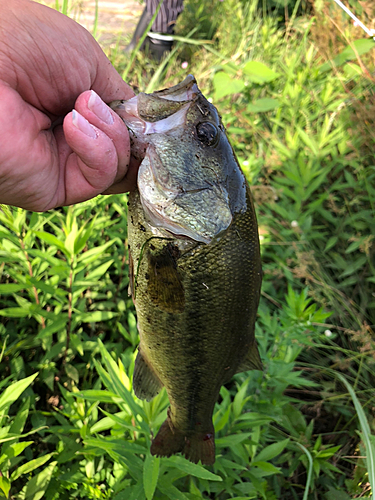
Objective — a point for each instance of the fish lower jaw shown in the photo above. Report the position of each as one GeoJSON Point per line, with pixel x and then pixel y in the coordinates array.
{"type": "Point", "coordinates": [158, 222]}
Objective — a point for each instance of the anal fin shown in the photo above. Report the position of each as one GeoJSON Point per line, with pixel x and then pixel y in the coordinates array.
{"type": "Point", "coordinates": [146, 384]}
{"type": "Point", "coordinates": [252, 360]}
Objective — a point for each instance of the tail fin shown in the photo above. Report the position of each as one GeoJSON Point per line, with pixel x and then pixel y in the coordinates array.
{"type": "Point", "coordinates": [194, 445]}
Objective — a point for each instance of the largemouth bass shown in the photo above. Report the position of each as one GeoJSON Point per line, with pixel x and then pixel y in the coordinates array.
{"type": "Point", "coordinates": [195, 267]}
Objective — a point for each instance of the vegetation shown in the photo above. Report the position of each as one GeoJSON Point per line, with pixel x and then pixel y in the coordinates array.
{"type": "Point", "coordinates": [295, 90]}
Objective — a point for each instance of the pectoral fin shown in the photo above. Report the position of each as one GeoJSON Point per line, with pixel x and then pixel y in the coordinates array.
{"type": "Point", "coordinates": [146, 384]}
{"type": "Point", "coordinates": [252, 360]}
{"type": "Point", "coordinates": [164, 284]}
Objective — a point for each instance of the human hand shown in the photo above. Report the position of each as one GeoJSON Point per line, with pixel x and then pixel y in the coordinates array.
{"type": "Point", "coordinates": [47, 63]}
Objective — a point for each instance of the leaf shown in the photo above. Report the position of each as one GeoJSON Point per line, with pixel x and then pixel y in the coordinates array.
{"type": "Point", "coordinates": [56, 326]}
{"type": "Point", "coordinates": [171, 492]}
{"type": "Point", "coordinates": [37, 485]}
{"type": "Point", "coordinates": [192, 469]}
{"type": "Point", "coordinates": [115, 419]}
{"type": "Point", "coordinates": [14, 449]}
{"type": "Point", "coordinates": [11, 288]}
{"type": "Point", "coordinates": [309, 470]}
{"type": "Point", "coordinates": [97, 273]}
{"type": "Point", "coordinates": [98, 396]}
{"type": "Point", "coordinates": [271, 451]}
{"type": "Point", "coordinates": [150, 475]}
{"type": "Point", "coordinates": [259, 72]}
{"type": "Point", "coordinates": [136, 493]}
{"type": "Point", "coordinates": [337, 494]}
{"type": "Point", "coordinates": [95, 316]}
{"type": "Point", "coordinates": [83, 235]}
{"type": "Point", "coordinates": [14, 391]}
{"type": "Point", "coordinates": [266, 467]}
{"type": "Point", "coordinates": [331, 243]}
{"type": "Point", "coordinates": [72, 372]}
{"type": "Point", "coordinates": [117, 384]}
{"type": "Point", "coordinates": [29, 466]}
{"type": "Point", "coordinates": [93, 252]}
{"type": "Point", "coordinates": [232, 439]}
{"type": "Point", "coordinates": [263, 105]}
{"type": "Point", "coordinates": [12, 436]}
{"type": "Point", "coordinates": [77, 343]}
{"type": "Point", "coordinates": [5, 485]}
{"type": "Point", "coordinates": [51, 240]}
{"type": "Point", "coordinates": [115, 444]}
{"type": "Point", "coordinates": [361, 47]}
{"type": "Point", "coordinates": [225, 85]}
{"type": "Point", "coordinates": [21, 417]}
{"type": "Point", "coordinates": [366, 432]}
{"type": "Point", "coordinates": [15, 312]}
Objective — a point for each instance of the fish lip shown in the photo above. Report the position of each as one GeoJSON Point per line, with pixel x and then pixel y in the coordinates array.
{"type": "Point", "coordinates": [189, 85]}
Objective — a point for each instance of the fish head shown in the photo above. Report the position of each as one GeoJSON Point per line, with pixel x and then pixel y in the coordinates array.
{"type": "Point", "coordinates": [189, 181]}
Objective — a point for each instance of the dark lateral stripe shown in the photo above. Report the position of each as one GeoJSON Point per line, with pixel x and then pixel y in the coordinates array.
{"type": "Point", "coordinates": [167, 16]}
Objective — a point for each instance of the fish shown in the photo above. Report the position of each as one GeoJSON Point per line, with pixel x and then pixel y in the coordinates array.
{"type": "Point", "coordinates": [194, 263]}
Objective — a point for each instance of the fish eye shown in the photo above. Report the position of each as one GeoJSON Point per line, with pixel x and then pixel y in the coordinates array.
{"type": "Point", "coordinates": [207, 133]}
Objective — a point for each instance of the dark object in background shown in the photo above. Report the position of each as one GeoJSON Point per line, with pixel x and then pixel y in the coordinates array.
{"type": "Point", "coordinates": [164, 24]}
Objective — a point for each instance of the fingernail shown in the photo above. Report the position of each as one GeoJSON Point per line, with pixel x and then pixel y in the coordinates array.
{"type": "Point", "coordinates": [83, 125]}
{"type": "Point", "coordinates": [97, 106]}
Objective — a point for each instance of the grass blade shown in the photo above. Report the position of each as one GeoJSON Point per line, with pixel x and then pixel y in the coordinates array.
{"type": "Point", "coordinates": [309, 472]}
{"type": "Point", "coordinates": [366, 433]}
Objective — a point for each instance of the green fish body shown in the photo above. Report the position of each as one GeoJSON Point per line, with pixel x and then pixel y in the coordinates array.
{"type": "Point", "coordinates": [195, 263]}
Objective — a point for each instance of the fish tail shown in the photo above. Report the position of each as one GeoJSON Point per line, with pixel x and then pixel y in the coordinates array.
{"type": "Point", "coordinates": [168, 441]}
{"type": "Point", "coordinates": [200, 446]}
{"type": "Point", "coordinates": [194, 445]}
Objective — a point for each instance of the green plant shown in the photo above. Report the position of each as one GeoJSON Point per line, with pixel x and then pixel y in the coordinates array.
{"type": "Point", "coordinates": [77, 430]}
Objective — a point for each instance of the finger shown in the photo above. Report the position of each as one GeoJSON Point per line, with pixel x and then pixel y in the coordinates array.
{"type": "Point", "coordinates": [129, 183]}
{"type": "Point", "coordinates": [91, 165]}
{"type": "Point", "coordinates": [96, 112]}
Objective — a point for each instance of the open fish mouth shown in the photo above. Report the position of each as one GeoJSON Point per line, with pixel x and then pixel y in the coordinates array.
{"type": "Point", "coordinates": [146, 114]}
{"type": "Point", "coordinates": [179, 188]}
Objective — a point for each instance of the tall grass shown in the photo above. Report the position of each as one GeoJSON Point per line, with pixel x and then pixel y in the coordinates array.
{"type": "Point", "coordinates": [71, 426]}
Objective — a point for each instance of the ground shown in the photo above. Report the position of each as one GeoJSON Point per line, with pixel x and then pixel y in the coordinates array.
{"type": "Point", "coordinates": [116, 18]}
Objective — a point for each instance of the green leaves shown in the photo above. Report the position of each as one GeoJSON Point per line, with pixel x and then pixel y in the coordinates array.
{"type": "Point", "coordinates": [357, 49]}
{"type": "Point", "coordinates": [258, 72]}
{"type": "Point", "coordinates": [30, 466]}
{"type": "Point", "coordinates": [192, 469]}
{"type": "Point", "coordinates": [271, 451]}
{"type": "Point", "coordinates": [367, 435]}
{"type": "Point", "coordinates": [13, 392]}
{"type": "Point", "coordinates": [150, 475]}
{"type": "Point", "coordinates": [37, 486]}
{"type": "Point", "coordinates": [225, 85]}
{"type": "Point", "coordinates": [263, 105]}
{"type": "Point", "coordinates": [5, 485]}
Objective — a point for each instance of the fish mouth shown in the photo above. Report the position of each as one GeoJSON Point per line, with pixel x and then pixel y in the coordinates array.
{"type": "Point", "coordinates": [160, 112]}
